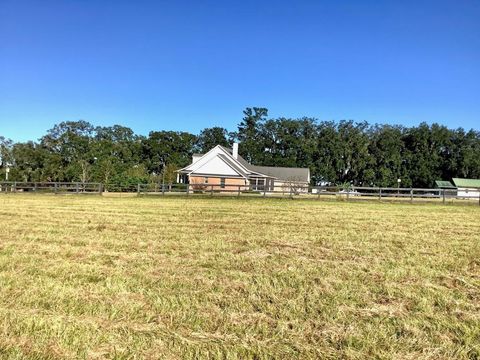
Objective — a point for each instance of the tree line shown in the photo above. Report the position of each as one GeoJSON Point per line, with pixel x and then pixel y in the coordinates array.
{"type": "Point", "coordinates": [336, 152]}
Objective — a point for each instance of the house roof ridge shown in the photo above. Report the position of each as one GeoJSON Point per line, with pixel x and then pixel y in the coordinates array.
{"type": "Point", "coordinates": [281, 167]}
{"type": "Point", "coordinates": [226, 148]}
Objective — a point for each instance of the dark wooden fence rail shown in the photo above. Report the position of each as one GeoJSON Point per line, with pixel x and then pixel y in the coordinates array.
{"type": "Point", "coordinates": [353, 193]}
{"type": "Point", "coordinates": [51, 187]}
{"type": "Point", "coordinates": [312, 192]}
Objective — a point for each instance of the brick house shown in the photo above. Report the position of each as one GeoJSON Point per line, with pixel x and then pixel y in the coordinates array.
{"type": "Point", "coordinates": [226, 169]}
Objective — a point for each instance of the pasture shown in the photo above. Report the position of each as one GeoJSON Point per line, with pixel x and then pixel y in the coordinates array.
{"type": "Point", "coordinates": [224, 278]}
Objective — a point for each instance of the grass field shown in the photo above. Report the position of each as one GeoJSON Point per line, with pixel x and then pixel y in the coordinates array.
{"type": "Point", "coordinates": [174, 278]}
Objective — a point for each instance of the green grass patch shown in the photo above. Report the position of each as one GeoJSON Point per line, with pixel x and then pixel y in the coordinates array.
{"type": "Point", "coordinates": [175, 278]}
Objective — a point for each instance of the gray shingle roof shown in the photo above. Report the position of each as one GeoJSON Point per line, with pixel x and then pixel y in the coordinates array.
{"type": "Point", "coordinates": [281, 173]}
{"type": "Point", "coordinates": [233, 165]}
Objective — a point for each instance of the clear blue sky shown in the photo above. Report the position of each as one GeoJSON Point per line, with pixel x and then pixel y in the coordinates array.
{"type": "Point", "coordinates": [186, 65]}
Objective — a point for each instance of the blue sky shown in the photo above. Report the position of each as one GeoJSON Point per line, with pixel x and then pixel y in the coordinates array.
{"type": "Point", "coordinates": [186, 65]}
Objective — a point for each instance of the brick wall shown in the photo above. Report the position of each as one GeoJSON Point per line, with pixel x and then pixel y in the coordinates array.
{"type": "Point", "coordinates": [230, 183]}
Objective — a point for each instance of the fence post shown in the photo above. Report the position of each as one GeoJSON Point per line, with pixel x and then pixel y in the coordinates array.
{"type": "Point", "coordinates": [238, 191]}
{"type": "Point", "coordinates": [291, 191]}
{"type": "Point", "coordinates": [318, 190]}
{"type": "Point", "coordinates": [14, 186]}
{"type": "Point", "coordinates": [35, 187]}
{"type": "Point", "coordinates": [56, 187]}
{"type": "Point", "coordinates": [411, 195]}
{"type": "Point", "coordinates": [348, 192]}
{"type": "Point", "coordinates": [100, 188]}
{"type": "Point", "coordinates": [264, 189]}
{"type": "Point", "coordinates": [163, 189]}
{"type": "Point", "coordinates": [443, 193]}
{"type": "Point", "coordinates": [211, 191]}
{"type": "Point", "coordinates": [188, 189]}
{"type": "Point", "coordinates": [76, 186]}
{"type": "Point", "coordinates": [379, 194]}
{"type": "Point", "coordinates": [138, 188]}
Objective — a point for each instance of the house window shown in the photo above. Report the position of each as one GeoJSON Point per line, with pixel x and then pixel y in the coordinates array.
{"type": "Point", "coordinates": [260, 184]}
{"type": "Point", "coordinates": [206, 180]}
{"type": "Point", "coordinates": [222, 183]}
{"type": "Point", "coordinates": [270, 185]}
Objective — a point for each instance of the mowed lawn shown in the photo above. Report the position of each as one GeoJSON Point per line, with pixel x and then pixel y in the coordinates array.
{"type": "Point", "coordinates": [175, 278]}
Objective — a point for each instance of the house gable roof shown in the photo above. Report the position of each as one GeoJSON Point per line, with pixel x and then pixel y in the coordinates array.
{"type": "Point", "coordinates": [221, 166]}
{"type": "Point", "coordinates": [284, 173]}
{"type": "Point", "coordinates": [280, 173]}
{"type": "Point", "coordinates": [218, 152]}
{"type": "Point", "coordinates": [204, 158]}
{"type": "Point", "coordinates": [244, 168]}
{"type": "Point", "coordinates": [234, 164]}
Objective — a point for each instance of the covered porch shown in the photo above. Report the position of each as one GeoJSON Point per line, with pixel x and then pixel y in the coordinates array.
{"type": "Point", "coordinates": [261, 183]}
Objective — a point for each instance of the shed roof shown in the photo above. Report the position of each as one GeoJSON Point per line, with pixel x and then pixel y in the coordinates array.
{"type": "Point", "coordinates": [466, 183]}
{"type": "Point", "coordinates": [443, 184]}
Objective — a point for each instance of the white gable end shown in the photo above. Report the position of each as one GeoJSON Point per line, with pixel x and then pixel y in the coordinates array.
{"type": "Point", "coordinates": [215, 166]}
{"type": "Point", "coordinates": [204, 159]}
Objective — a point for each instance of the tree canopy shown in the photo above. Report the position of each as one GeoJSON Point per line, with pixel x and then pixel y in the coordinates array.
{"type": "Point", "coordinates": [335, 152]}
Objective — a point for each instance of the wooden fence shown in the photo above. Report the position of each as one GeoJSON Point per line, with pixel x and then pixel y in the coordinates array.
{"type": "Point", "coordinates": [353, 193]}
{"type": "Point", "coordinates": [51, 187]}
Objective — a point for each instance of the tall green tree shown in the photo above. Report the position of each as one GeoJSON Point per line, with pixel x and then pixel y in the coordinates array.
{"type": "Point", "coordinates": [167, 147]}
{"type": "Point", "coordinates": [118, 155]}
{"type": "Point", "coordinates": [467, 155]}
{"type": "Point", "coordinates": [355, 162]}
{"type": "Point", "coordinates": [336, 152]}
{"type": "Point", "coordinates": [69, 143]}
{"type": "Point", "coordinates": [210, 137]}
{"type": "Point", "coordinates": [5, 151]}
{"type": "Point", "coordinates": [32, 162]}
{"type": "Point", "coordinates": [248, 131]}
{"type": "Point", "coordinates": [6, 158]}
{"type": "Point", "coordinates": [287, 142]}
{"type": "Point", "coordinates": [423, 156]}
{"type": "Point", "coordinates": [387, 150]}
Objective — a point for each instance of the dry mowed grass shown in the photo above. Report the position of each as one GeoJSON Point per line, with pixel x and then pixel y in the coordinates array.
{"type": "Point", "coordinates": [174, 278]}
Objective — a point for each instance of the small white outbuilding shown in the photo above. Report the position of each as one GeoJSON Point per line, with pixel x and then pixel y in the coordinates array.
{"type": "Point", "coordinates": [467, 188]}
